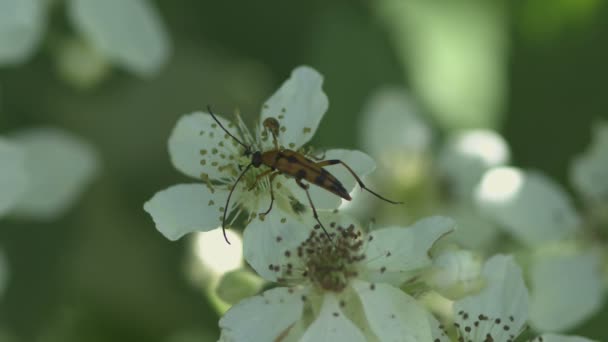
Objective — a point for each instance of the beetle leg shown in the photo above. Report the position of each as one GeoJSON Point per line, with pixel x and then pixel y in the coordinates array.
{"type": "Point", "coordinates": [314, 210]}
{"type": "Point", "coordinates": [271, 193]}
{"type": "Point", "coordinates": [359, 181]}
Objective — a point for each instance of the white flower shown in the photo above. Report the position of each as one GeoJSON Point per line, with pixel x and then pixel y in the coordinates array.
{"type": "Point", "coordinates": [527, 204]}
{"type": "Point", "coordinates": [500, 309]}
{"type": "Point", "coordinates": [498, 313]}
{"type": "Point", "coordinates": [201, 149]}
{"type": "Point", "coordinates": [540, 214]}
{"type": "Point", "coordinates": [467, 155]}
{"type": "Point", "coordinates": [44, 171]}
{"type": "Point", "coordinates": [345, 290]}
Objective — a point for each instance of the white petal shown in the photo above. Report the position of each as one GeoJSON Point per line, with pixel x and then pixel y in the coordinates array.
{"type": "Point", "coordinates": [528, 204]}
{"type": "Point", "coordinates": [438, 331]}
{"type": "Point", "coordinates": [466, 156]}
{"type": "Point", "coordinates": [397, 254]}
{"type": "Point", "coordinates": [560, 338]}
{"type": "Point", "coordinates": [129, 33]}
{"type": "Point", "coordinates": [262, 318]}
{"type": "Point", "coordinates": [265, 242]}
{"type": "Point", "coordinates": [197, 139]}
{"type": "Point", "coordinates": [21, 27]}
{"type": "Point", "coordinates": [392, 314]}
{"type": "Point", "coordinates": [565, 290]}
{"type": "Point", "coordinates": [503, 303]}
{"type": "Point", "coordinates": [186, 208]}
{"type": "Point", "coordinates": [298, 105]}
{"type": "Point", "coordinates": [456, 273]}
{"type": "Point", "coordinates": [331, 325]}
{"type": "Point", "coordinates": [13, 175]}
{"type": "Point", "coordinates": [589, 169]}
{"type": "Point", "coordinates": [359, 162]}
{"type": "Point", "coordinates": [474, 231]}
{"type": "Point", "coordinates": [59, 166]}
{"type": "Point", "coordinates": [391, 123]}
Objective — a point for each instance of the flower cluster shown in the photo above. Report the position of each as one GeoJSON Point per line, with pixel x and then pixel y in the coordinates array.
{"type": "Point", "coordinates": [351, 283]}
{"type": "Point", "coordinates": [556, 242]}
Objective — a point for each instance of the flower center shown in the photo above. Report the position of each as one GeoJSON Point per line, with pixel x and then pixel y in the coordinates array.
{"type": "Point", "coordinates": [328, 264]}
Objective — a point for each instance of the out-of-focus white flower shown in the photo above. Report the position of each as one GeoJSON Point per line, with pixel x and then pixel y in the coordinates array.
{"type": "Point", "coordinates": [467, 155]}
{"type": "Point", "coordinates": [557, 272]}
{"type": "Point", "coordinates": [58, 167]}
{"type": "Point", "coordinates": [527, 204]}
{"type": "Point", "coordinates": [341, 290]}
{"type": "Point", "coordinates": [396, 136]}
{"type": "Point", "coordinates": [588, 171]}
{"type": "Point", "coordinates": [201, 149]}
{"type": "Point", "coordinates": [43, 171]}
{"type": "Point", "coordinates": [130, 34]}
{"type": "Point", "coordinates": [22, 24]}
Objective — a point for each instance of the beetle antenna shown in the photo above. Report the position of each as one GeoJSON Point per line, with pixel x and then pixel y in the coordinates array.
{"type": "Point", "coordinates": [224, 128]}
{"type": "Point", "coordinates": [228, 201]}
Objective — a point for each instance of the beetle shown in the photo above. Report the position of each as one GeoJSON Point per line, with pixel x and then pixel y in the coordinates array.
{"type": "Point", "coordinates": [295, 165]}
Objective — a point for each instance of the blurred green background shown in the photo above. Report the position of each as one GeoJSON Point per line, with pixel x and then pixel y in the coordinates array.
{"type": "Point", "coordinates": [104, 273]}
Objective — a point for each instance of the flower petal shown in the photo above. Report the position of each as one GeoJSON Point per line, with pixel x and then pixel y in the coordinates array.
{"type": "Point", "coordinates": [332, 325]}
{"type": "Point", "coordinates": [186, 208]}
{"type": "Point", "coordinates": [560, 338]}
{"type": "Point", "coordinates": [199, 146]}
{"type": "Point", "coordinates": [528, 205]}
{"type": "Point", "coordinates": [391, 123]}
{"type": "Point", "coordinates": [359, 162]}
{"type": "Point", "coordinates": [466, 156]}
{"type": "Point", "coordinates": [392, 314]}
{"type": "Point", "coordinates": [298, 105]}
{"type": "Point", "coordinates": [13, 177]}
{"type": "Point", "coordinates": [438, 331]}
{"type": "Point", "coordinates": [262, 318]}
{"type": "Point", "coordinates": [456, 273]}
{"type": "Point", "coordinates": [59, 166]}
{"type": "Point", "coordinates": [267, 239]}
{"type": "Point", "coordinates": [129, 33]}
{"type": "Point", "coordinates": [21, 27]}
{"type": "Point", "coordinates": [474, 232]}
{"type": "Point", "coordinates": [500, 310]}
{"type": "Point", "coordinates": [397, 254]}
{"type": "Point", "coordinates": [589, 169]}
{"type": "Point", "coordinates": [554, 279]}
